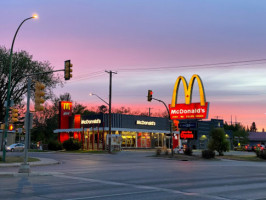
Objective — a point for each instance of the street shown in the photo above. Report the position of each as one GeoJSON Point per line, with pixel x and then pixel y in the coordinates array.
{"type": "Point", "coordinates": [136, 175]}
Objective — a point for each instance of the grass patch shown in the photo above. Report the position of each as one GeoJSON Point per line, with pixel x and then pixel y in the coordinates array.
{"type": "Point", "coordinates": [17, 159]}
{"type": "Point", "coordinates": [241, 157]}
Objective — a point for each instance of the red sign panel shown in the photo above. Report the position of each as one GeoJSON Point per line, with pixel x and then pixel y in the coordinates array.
{"type": "Point", "coordinates": [189, 111]}
{"type": "Point", "coordinates": [186, 135]}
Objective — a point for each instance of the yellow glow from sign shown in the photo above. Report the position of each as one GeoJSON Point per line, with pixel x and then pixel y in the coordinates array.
{"type": "Point", "coordinates": [188, 90]}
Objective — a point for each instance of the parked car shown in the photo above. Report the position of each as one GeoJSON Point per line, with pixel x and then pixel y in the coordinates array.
{"type": "Point", "coordinates": [15, 147]}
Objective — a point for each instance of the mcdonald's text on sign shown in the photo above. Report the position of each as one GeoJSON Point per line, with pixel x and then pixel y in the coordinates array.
{"type": "Point", "coordinates": [190, 111]}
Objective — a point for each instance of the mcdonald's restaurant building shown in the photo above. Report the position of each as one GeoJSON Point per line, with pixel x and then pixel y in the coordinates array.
{"type": "Point", "coordinates": [135, 131]}
{"type": "Point", "coordinates": [92, 130]}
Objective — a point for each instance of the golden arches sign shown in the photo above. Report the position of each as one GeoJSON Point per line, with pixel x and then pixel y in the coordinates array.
{"type": "Point", "coordinates": [188, 110]}
{"type": "Point", "coordinates": [188, 90]}
{"type": "Point", "coordinates": [66, 106]}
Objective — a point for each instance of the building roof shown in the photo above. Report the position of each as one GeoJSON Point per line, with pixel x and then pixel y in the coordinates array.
{"type": "Point", "coordinates": [257, 136]}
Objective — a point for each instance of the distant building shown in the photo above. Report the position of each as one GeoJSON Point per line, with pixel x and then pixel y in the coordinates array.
{"type": "Point", "coordinates": [257, 138]}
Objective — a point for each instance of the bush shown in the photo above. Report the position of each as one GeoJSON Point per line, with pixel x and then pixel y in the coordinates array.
{"type": "Point", "coordinates": [218, 141]}
{"type": "Point", "coordinates": [188, 152]}
{"type": "Point", "coordinates": [0, 158]}
{"type": "Point", "coordinates": [208, 154]}
{"type": "Point", "coordinates": [54, 145]}
{"type": "Point", "coordinates": [71, 145]}
{"type": "Point", "coordinates": [261, 154]}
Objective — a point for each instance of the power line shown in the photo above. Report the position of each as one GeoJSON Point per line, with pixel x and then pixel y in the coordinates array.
{"type": "Point", "coordinates": [202, 66]}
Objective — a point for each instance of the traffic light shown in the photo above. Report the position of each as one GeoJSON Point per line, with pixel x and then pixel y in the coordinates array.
{"type": "Point", "coordinates": [149, 95]}
{"type": "Point", "coordinates": [175, 125]}
{"type": "Point", "coordinates": [14, 115]}
{"type": "Point", "coordinates": [39, 94]}
{"type": "Point", "coordinates": [68, 70]}
{"type": "Point", "coordinates": [11, 127]}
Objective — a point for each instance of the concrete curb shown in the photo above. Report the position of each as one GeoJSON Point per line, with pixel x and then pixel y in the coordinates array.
{"type": "Point", "coordinates": [43, 161]}
{"type": "Point", "coordinates": [16, 174]}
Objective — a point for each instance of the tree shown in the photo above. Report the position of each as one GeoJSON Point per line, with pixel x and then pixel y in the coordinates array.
{"type": "Point", "coordinates": [102, 109]}
{"type": "Point", "coordinates": [22, 65]}
{"type": "Point", "coordinates": [240, 133]}
{"type": "Point", "coordinates": [218, 141]}
{"type": "Point", "coordinates": [46, 122]}
{"type": "Point", "coordinates": [253, 127]}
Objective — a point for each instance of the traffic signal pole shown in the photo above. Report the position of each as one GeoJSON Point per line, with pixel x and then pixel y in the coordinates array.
{"type": "Point", "coordinates": [170, 123]}
{"type": "Point", "coordinates": [25, 167]}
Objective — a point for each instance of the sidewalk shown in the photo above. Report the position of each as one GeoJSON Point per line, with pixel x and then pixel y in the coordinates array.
{"type": "Point", "coordinates": [43, 161]}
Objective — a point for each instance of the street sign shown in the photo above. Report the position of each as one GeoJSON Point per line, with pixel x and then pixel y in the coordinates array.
{"type": "Point", "coordinates": [187, 125]}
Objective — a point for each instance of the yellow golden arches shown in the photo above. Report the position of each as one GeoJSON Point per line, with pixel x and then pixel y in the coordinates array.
{"type": "Point", "coordinates": [188, 90]}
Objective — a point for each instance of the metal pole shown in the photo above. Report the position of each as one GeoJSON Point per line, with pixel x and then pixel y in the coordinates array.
{"type": "Point", "coordinates": [170, 122]}
{"type": "Point", "coordinates": [4, 140]}
{"type": "Point", "coordinates": [25, 167]}
{"type": "Point", "coordinates": [110, 113]}
{"type": "Point", "coordinates": [110, 110]}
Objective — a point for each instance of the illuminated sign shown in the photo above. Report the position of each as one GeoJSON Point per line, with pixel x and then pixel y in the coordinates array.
{"type": "Point", "coordinates": [186, 135]}
{"type": "Point", "coordinates": [66, 108]}
{"type": "Point", "coordinates": [94, 121]}
{"type": "Point", "coordinates": [188, 110]}
{"type": "Point", "coordinates": [191, 111]}
{"type": "Point", "coordinates": [147, 123]}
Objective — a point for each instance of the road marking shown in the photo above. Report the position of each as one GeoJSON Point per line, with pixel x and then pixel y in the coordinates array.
{"type": "Point", "coordinates": [151, 188]}
{"type": "Point", "coordinates": [111, 195]}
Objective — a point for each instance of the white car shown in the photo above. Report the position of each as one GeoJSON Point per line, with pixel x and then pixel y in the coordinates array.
{"type": "Point", "coordinates": [15, 147]}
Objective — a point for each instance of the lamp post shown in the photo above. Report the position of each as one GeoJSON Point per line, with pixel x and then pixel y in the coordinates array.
{"type": "Point", "coordinates": [109, 105]}
{"type": "Point", "coordinates": [8, 90]}
{"type": "Point", "coordinates": [91, 94]}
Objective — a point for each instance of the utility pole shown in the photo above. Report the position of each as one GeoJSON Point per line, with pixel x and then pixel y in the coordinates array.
{"type": "Point", "coordinates": [110, 109]}
{"type": "Point", "coordinates": [150, 112]}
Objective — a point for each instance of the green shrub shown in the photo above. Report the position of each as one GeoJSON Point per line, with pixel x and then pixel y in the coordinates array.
{"type": "Point", "coordinates": [208, 154]}
{"type": "Point", "coordinates": [0, 158]}
{"type": "Point", "coordinates": [55, 145]}
{"type": "Point", "coordinates": [71, 145]}
{"type": "Point", "coordinates": [261, 154]}
{"type": "Point", "coordinates": [188, 152]}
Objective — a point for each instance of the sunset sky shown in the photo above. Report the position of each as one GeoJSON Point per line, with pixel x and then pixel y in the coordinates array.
{"type": "Point", "coordinates": [149, 43]}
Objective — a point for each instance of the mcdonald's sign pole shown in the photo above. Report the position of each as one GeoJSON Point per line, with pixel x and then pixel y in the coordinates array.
{"type": "Point", "coordinates": [188, 110]}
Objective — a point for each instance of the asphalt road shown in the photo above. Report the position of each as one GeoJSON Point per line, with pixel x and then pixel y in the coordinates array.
{"type": "Point", "coordinates": [137, 175]}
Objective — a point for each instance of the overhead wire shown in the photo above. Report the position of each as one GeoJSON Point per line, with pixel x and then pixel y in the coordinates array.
{"type": "Point", "coordinates": [220, 65]}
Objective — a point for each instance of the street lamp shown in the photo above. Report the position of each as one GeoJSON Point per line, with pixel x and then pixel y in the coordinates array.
{"type": "Point", "coordinates": [110, 114]}
{"type": "Point", "coordinates": [91, 94]}
{"type": "Point", "coordinates": [35, 16]}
